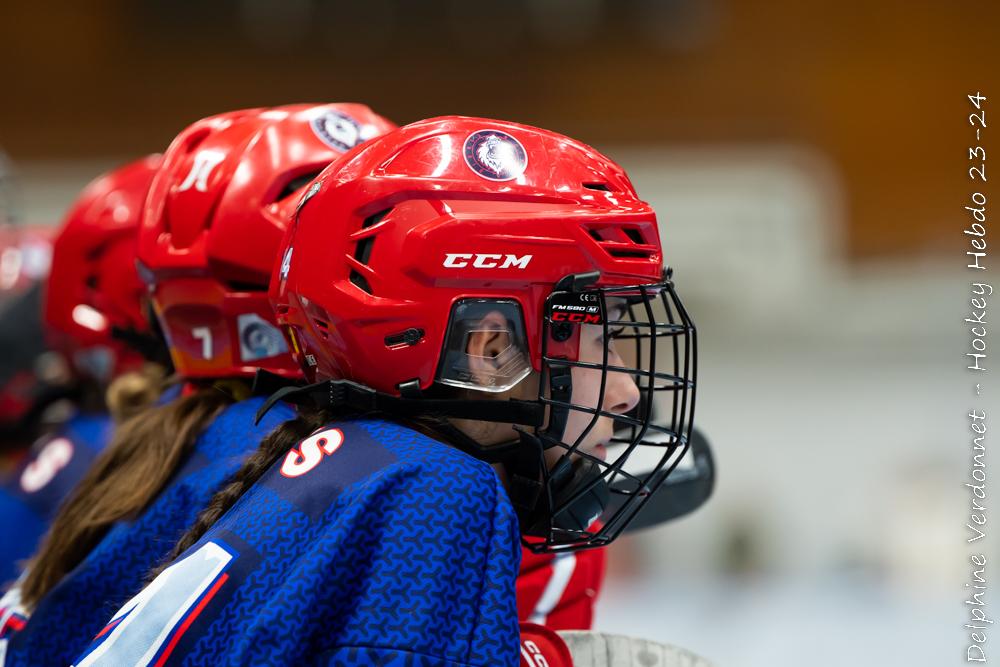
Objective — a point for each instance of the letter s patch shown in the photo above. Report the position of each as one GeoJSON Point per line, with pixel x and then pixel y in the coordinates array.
{"type": "Point", "coordinates": [311, 451]}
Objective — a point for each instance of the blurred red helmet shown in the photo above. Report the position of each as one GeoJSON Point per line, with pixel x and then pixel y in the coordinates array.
{"type": "Point", "coordinates": [25, 260]}
{"type": "Point", "coordinates": [214, 220]}
{"type": "Point", "coordinates": [94, 300]}
{"type": "Point", "coordinates": [25, 257]}
{"type": "Point", "coordinates": [453, 225]}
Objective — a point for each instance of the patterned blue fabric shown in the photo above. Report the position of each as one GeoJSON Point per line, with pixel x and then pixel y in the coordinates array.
{"type": "Point", "coordinates": [388, 548]}
{"type": "Point", "coordinates": [30, 495]}
{"type": "Point", "coordinates": [72, 613]}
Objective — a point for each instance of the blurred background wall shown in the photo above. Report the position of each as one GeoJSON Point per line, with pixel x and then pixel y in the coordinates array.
{"type": "Point", "coordinates": [808, 162]}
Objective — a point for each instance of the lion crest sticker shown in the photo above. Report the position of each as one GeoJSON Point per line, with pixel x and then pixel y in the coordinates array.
{"type": "Point", "coordinates": [341, 132]}
{"type": "Point", "coordinates": [495, 155]}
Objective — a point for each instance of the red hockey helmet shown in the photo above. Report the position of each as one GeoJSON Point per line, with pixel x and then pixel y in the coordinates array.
{"type": "Point", "coordinates": [409, 245]}
{"type": "Point", "coordinates": [214, 221]}
{"type": "Point", "coordinates": [94, 300]}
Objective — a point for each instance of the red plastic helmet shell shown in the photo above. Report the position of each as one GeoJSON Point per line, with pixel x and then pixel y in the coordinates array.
{"type": "Point", "coordinates": [93, 287]}
{"type": "Point", "coordinates": [214, 221]}
{"type": "Point", "coordinates": [392, 235]}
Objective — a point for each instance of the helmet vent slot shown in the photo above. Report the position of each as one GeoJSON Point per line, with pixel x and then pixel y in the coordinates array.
{"type": "Point", "coordinates": [629, 254]}
{"type": "Point", "coordinates": [602, 187]}
{"type": "Point", "coordinates": [363, 250]}
{"type": "Point", "coordinates": [322, 326]}
{"type": "Point", "coordinates": [375, 219]}
{"type": "Point", "coordinates": [634, 234]}
{"type": "Point", "coordinates": [296, 184]}
{"type": "Point", "coordinates": [242, 286]}
{"type": "Point", "coordinates": [621, 242]}
{"type": "Point", "coordinates": [360, 282]}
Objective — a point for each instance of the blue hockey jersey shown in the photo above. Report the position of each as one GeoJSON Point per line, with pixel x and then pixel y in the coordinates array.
{"type": "Point", "coordinates": [31, 494]}
{"type": "Point", "coordinates": [67, 619]}
{"type": "Point", "coordinates": [367, 544]}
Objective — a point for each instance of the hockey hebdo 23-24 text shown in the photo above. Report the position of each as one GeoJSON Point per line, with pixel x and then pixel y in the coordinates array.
{"type": "Point", "coordinates": [977, 620]}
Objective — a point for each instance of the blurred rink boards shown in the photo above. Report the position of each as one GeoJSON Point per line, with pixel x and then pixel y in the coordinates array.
{"type": "Point", "coordinates": [835, 398]}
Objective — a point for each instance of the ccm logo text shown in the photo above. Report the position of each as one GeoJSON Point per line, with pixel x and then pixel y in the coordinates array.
{"type": "Point", "coordinates": [460, 260]}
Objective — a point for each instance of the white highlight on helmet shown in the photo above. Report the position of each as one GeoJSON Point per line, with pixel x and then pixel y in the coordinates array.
{"type": "Point", "coordinates": [89, 318]}
{"type": "Point", "coordinates": [446, 152]}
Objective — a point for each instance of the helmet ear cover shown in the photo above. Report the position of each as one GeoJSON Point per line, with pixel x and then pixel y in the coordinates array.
{"type": "Point", "coordinates": [502, 322]}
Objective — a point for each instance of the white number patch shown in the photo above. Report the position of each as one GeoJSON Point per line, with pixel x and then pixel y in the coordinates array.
{"type": "Point", "coordinates": [53, 458]}
{"type": "Point", "coordinates": [204, 334]}
{"type": "Point", "coordinates": [146, 630]}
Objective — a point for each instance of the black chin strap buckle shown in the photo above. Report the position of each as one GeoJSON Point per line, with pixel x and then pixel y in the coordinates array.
{"type": "Point", "coordinates": [325, 395]}
{"type": "Point", "coordinates": [351, 395]}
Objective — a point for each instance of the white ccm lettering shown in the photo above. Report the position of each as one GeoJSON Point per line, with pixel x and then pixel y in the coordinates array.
{"type": "Point", "coordinates": [204, 163]}
{"type": "Point", "coordinates": [312, 450]}
{"type": "Point", "coordinates": [485, 261]}
{"type": "Point", "coordinates": [532, 655]}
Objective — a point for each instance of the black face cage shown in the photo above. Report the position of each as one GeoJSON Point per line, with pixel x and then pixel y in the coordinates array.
{"type": "Point", "coordinates": [656, 340]}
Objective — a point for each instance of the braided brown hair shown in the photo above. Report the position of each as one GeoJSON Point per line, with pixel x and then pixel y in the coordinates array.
{"type": "Point", "coordinates": [277, 442]}
{"type": "Point", "coordinates": [285, 436]}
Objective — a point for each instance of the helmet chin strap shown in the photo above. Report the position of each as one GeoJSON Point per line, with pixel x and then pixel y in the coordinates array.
{"type": "Point", "coordinates": [523, 459]}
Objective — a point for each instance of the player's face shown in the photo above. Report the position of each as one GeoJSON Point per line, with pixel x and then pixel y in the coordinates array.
{"type": "Point", "coordinates": [620, 392]}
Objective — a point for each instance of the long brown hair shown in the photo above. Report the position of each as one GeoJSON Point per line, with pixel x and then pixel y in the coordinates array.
{"type": "Point", "coordinates": [282, 438]}
{"type": "Point", "coordinates": [143, 454]}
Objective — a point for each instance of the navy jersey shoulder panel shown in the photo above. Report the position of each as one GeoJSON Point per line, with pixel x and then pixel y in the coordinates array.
{"type": "Point", "coordinates": [31, 494]}
{"type": "Point", "coordinates": [91, 430]}
{"type": "Point", "coordinates": [231, 436]}
{"type": "Point", "coordinates": [415, 550]}
{"type": "Point", "coordinates": [76, 609]}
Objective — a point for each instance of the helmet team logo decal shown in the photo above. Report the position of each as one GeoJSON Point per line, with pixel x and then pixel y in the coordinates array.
{"type": "Point", "coordinates": [204, 163]}
{"type": "Point", "coordinates": [311, 451]}
{"type": "Point", "coordinates": [341, 132]}
{"type": "Point", "coordinates": [495, 155]}
{"type": "Point", "coordinates": [259, 339]}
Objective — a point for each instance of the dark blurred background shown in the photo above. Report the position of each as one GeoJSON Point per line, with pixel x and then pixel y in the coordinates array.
{"type": "Point", "coordinates": [877, 86]}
